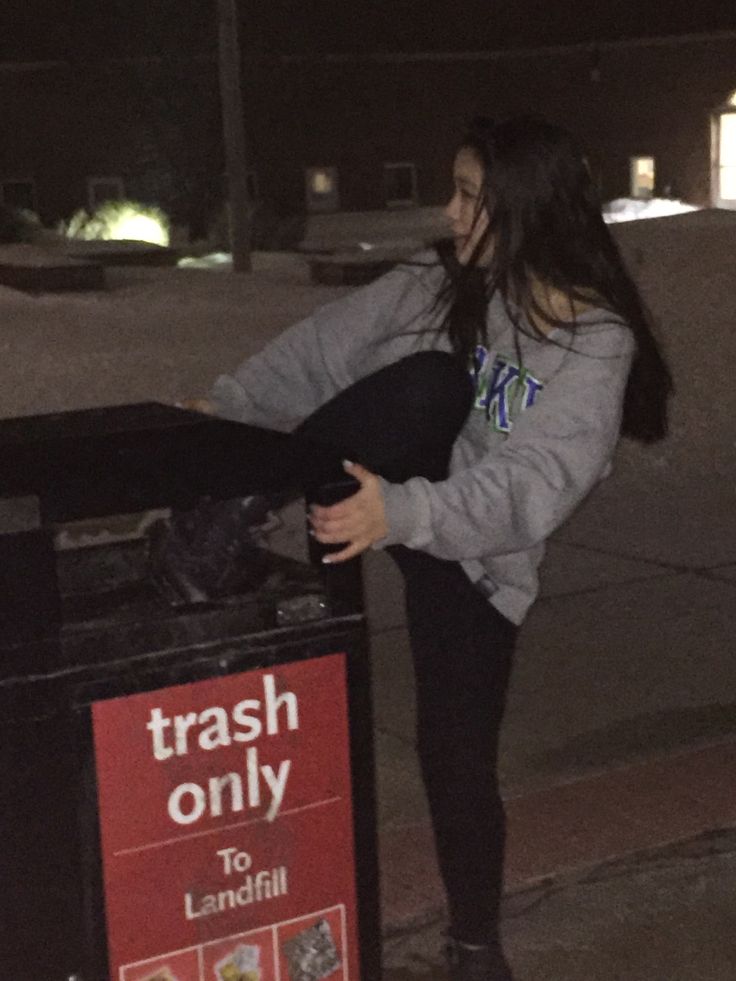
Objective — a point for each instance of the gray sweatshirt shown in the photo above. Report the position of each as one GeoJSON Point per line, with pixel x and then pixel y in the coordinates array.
{"type": "Point", "coordinates": [541, 434]}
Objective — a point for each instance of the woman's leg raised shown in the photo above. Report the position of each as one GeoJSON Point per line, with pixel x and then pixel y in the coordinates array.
{"type": "Point", "coordinates": [402, 422]}
{"type": "Point", "coordinates": [399, 422]}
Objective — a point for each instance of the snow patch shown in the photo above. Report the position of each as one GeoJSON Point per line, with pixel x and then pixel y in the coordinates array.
{"type": "Point", "coordinates": [634, 209]}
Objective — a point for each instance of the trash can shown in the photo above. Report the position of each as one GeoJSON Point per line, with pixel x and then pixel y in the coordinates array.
{"type": "Point", "coordinates": [187, 794]}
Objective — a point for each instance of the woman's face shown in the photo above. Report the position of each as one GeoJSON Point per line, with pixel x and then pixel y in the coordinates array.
{"type": "Point", "coordinates": [466, 211]}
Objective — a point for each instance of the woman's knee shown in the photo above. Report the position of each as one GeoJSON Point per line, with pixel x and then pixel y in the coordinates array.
{"type": "Point", "coordinates": [436, 376]}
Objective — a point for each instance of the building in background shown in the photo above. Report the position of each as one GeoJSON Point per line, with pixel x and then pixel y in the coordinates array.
{"type": "Point", "coordinates": [361, 112]}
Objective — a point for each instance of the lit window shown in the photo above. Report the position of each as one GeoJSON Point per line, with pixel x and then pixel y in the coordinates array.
{"type": "Point", "coordinates": [322, 189]}
{"type": "Point", "coordinates": [322, 182]}
{"type": "Point", "coordinates": [400, 180]}
{"type": "Point", "coordinates": [102, 189]}
{"type": "Point", "coordinates": [20, 194]}
{"type": "Point", "coordinates": [723, 154]}
{"type": "Point", "coordinates": [642, 177]}
{"type": "Point", "coordinates": [727, 157]}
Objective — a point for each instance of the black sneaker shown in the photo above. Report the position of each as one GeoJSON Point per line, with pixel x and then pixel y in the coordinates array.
{"type": "Point", "coordinates": [470, 963]}
{"type": "Point", "coordinates": [209, 552]}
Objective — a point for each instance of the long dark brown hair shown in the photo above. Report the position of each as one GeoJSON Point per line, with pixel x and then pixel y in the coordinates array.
{"type": "Point", "coordinates": [546, 225]}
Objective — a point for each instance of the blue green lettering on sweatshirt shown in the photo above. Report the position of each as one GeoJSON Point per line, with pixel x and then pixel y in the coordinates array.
{"type": "Point", "coordinates": [502, 389]}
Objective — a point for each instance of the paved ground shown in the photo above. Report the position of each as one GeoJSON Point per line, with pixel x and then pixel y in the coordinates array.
{"type": "Point", "coordinates": [625, 671]}
{"type": "Point", "coordinates": [668, 916]}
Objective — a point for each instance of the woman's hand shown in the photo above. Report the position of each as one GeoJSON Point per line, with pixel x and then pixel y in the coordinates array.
{"type": "Point", "coordinates": [359, 520]}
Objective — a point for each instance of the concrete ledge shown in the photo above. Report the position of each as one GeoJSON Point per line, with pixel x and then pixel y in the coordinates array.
{"type": "Point", "coordinates": [339, 231]}
{"type": "Point", "coordinates": [118, 253]}
{"type": "Point", "coordinates": [38, 270]}
{"type": "Point", "coordinates": [566, 831]}
{"type": "Point", "coordinates": [348, 270]}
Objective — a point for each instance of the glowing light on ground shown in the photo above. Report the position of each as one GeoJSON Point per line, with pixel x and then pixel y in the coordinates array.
{"type": "Point", "coordinates": [121, 221]}
{"type": "Point", "coordinates": [138, 228]}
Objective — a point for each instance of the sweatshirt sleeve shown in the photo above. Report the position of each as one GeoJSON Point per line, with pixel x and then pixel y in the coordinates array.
{"type": "Point", "coordinates": [317, 357]}
{"type": "Point", "coordinates": [513, 499]}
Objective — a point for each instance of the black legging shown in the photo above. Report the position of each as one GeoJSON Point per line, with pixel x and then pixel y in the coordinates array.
{"type": "Point", "coordinates": [401, 422]}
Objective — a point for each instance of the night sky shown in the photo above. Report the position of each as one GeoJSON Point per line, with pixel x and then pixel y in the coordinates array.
{"type": "Point", "coordinates": [47, 29]}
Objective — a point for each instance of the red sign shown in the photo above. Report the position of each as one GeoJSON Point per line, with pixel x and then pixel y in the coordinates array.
{"type": "Point", "coordinates": [227, 830]}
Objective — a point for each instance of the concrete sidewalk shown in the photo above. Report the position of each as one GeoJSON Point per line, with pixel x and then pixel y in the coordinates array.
{"type": "Point", "coordinates": [618, 749]}
{"type": "Point", "coordinates": [560, 834]}
{"type": "Point", "coordinates": [662, 916]}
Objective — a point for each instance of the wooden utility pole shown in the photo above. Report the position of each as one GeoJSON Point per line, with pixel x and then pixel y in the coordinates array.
{"type": "Point", "coordinates": [236, 157]}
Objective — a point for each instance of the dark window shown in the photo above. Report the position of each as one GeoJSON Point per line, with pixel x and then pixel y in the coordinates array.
{"type": "Point", "coordinates": [400, 181]}
{"type": "Point", "coordinates": [19, 194]}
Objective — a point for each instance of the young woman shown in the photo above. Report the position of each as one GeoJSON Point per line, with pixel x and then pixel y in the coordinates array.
{"type": "Point", "coordinates": [479, 391]}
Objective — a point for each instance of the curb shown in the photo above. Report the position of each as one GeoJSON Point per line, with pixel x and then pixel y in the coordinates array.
{"type": "Point", "coordinates": [594, 827]}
